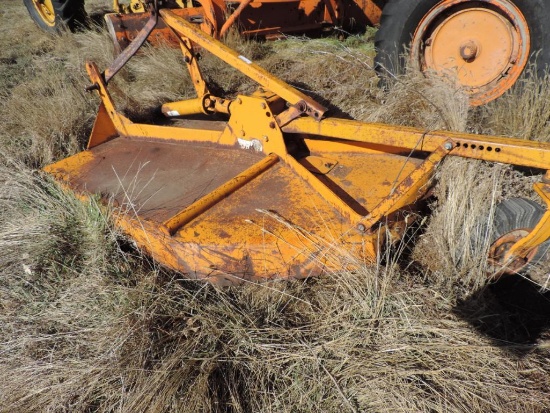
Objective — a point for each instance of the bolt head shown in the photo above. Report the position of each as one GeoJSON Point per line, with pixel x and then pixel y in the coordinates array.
{"type": "Point", "coordinates": [469, 51]}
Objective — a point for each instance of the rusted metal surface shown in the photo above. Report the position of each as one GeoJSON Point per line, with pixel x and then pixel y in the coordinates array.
{"type": "Point", "coordinates": [498, 264]}
{"type": "Point", "coordinates": [133, 47]}
{"type": "Point", "coordinates": [150, 182]}
{"type": "Point", "coordinates": [151, 179]}
{"type": "Point", "coordinates": [147, 176]}
{"type": "Point", "coordinates": [253, 18]}
{"type": "Point", "coordinates": [213, 197]}
{"type": "Point", "coordinates": [124, 28]}
{"type": "Point", "coordinates": [241, 200]}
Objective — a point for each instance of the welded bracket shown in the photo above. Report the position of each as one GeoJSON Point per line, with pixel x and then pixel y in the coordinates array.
{"type": "Point", "coordinates": [252, 125]}
{"type": "Point", "coordinates": [100, 85]}
{"type": "Point", "coordinates": [103, 129]}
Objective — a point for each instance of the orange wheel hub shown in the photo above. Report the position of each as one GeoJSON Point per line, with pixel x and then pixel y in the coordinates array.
{"type": "Point", "coordinates": [484, 45]}
{"type": "Point", "coordinates": [497, 267]}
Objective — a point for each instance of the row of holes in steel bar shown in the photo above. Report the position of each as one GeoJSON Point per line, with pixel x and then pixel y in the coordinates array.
{"type": "Point", "coordinates": [480, 147]}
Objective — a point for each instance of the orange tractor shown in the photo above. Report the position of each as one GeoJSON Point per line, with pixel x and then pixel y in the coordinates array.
{"type": "Point", "coordinates": [277, 185]}
{"type": "Point", "coordinates": [484, 44]}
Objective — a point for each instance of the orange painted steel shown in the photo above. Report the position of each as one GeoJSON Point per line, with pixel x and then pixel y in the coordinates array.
{"type": "Point", "coordinates": [540, 233]}
{"type": "Point", "coordinates": [243, 64]}
{"type": "Point", "coordinates": [483, 45]}
{"type": "Point", "coordinates": [200, 206]}
{"type": "Point", "coordinates": [123, 28]}
{"type": "Point", "coordinates": [276, 190]}
{"type": "Point", "coordinates": [488, 148]}
{"type": "Point", "coordinates": [185, 107]}
{"type": "Point", "coordinates": [230, 21]}
{"type": "Point", "coordinates": [252, 18]}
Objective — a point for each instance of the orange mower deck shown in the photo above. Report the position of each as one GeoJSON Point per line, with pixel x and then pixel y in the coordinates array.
{"type": "Point", "coordinates": [277, 190]}
{"type": "Point", "coordinates": [276, 225]}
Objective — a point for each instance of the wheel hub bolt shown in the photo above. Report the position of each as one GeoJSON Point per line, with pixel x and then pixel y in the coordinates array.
{"type": "Point", "coordinates": [469, 51]}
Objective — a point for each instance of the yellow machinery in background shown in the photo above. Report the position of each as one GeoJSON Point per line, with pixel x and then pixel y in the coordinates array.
{"type": "Point", "coordinates": [270, 192]}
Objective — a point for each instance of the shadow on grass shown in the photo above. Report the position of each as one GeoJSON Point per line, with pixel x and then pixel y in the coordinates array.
{"type": "Point", "coordinates": [513, 312]}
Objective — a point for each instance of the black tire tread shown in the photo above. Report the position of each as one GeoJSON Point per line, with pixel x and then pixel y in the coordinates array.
{"type": "Point", "coordinates": [400, 18]}
{"type": "Point", "coordinates": [68, 14]}
{"type": "Point", "coordinates": [387, 39]}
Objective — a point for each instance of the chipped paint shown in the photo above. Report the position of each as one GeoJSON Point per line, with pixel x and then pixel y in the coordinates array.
{"type": "Point", "coordinates": [252, 144]}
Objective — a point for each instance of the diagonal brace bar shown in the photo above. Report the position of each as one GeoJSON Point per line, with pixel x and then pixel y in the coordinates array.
{"type": "Point", "coordinates": [186, 215]}
{"type": "Point", "coordinates": [539, 234]}
{"type": "Point", "coordinates": [407, 191]}
{"type": "Point", "coordinates": [244, 65]}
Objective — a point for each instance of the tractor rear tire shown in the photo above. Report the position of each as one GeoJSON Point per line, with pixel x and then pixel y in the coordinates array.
{"type": "Point", "coordinates": [513, 219]}
{"type": "Point", "coordinates": [485, 44]}
{"type": "Point", "coordinates": [53, 16]}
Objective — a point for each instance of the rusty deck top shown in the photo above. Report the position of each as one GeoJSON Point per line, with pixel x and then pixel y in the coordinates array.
{"type": "Point", "coordinates": [271, 227]}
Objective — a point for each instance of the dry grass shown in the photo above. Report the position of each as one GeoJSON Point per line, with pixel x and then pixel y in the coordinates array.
{"type": "Point", "coordinates": [86, 325]}
{"type": "Point", "coordinates": [523, 113]}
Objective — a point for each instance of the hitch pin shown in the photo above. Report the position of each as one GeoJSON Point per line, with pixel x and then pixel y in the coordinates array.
{"type": "Point", "coordinates": [93, 87]}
